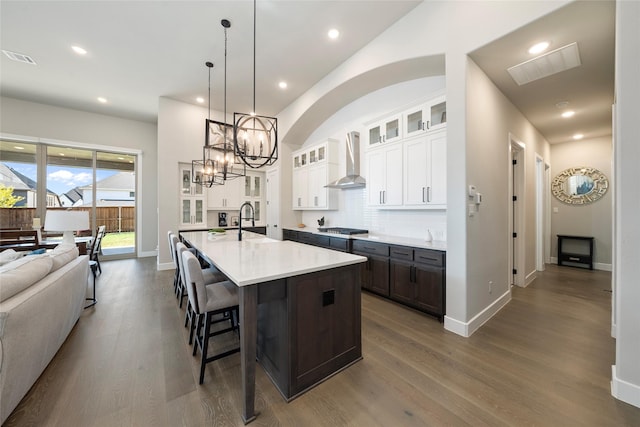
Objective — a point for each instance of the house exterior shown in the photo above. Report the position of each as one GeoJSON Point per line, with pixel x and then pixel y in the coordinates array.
{"type": "Point", "coordinates": [116, 190]}
{"type": "Point", "coordinates": [435, 37]}
{"type": "Point", "coordinates": [24, 187]}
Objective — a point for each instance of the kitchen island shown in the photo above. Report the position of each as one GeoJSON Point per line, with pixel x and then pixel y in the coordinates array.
{"type": "Point", "coordinates": [299, 308]}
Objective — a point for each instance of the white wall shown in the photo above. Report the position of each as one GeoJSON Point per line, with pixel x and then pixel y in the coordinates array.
{"type": "Point", "coordinates": [491, 119]}
{"type": "Point", "coordinates": [626, 372]}
{"type": "Point", "coordinates": [95, 130]}
{"type": "Point", "coordinates": [594, 219]}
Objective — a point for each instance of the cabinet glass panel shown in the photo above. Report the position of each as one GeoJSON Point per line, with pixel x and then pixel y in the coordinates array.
{"type": "Point", "coordinates": [392, 129]}
{"type": "Point", "coordinates": [321, 153]}
{"type": "Point", "coordinates": [303, 159]}
{"type": "Point", "coordinates": [186, 181]}
{"type": "Point", "coordinates": [199, 210]}
{"type": "Point", "coordinates": [257, 210]}
{"type": "Point", "coordinates": [198, 187]}
{"type": "Point", "coordinates": [186, 211]}
{"type": "Point", "coordinates": [256, 186]}
{"type": "Point", "coordinates": [247, 213]}
{"type": "Point", "coordinates": [312, 156]}
{"type": "Point", "coordinates": [439, 114]}
{"type": "Point", "coordinates": [414, 121]}
{"type": "Point", "coordinates": [374, 135]}
{"type": "Point", "coordinates": [296, 162]}
{"type": "Point", "coordinates": [247, 186]}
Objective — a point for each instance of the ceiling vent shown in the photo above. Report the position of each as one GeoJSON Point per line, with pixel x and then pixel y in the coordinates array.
{"type": "Point", "coordinates": [19, 57]}
{"type": "Point", "coordinates": [558, 60]}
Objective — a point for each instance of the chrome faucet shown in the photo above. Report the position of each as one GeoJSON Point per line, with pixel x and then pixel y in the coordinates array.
{"type": "Point", "coordinates": [253, 218]}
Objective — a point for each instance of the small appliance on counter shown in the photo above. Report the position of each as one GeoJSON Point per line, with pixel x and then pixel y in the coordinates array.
{"type": "Point", "coordinates": [222, 219]}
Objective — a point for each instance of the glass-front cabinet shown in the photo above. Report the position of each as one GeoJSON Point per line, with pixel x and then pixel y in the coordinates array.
{"type": "Point", "coordinates": [310, 177]}
{"type": "Point", "coordinates": [387, 130]}
{"type": "Point", "coordinates": [253, 192]}
{"type": "Point", "coordinates": [192, 199]}
{"type": "Point", "coordinates": [427, 117]}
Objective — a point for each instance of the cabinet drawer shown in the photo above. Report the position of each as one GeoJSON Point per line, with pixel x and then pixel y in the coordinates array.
{"type": "Point", "coordinates": [322, 241]}
{"type": "Point", "coordinates": [401, 252]}
{"type": "Point", "coordinates": [371, 247]}
{"type": "Point", "coordinates": [426, 256]}
{"type": "Point", "coordinates": [339, 244]}
{"type": "Point", "coordinates": [290, 235]}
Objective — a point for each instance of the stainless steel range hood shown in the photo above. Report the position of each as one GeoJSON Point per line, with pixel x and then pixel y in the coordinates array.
{"type": "Point", "coordinates": [353, 178]}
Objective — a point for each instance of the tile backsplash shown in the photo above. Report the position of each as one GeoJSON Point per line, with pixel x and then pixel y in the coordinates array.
{"type": "Point", "coordinates": [354, 213]}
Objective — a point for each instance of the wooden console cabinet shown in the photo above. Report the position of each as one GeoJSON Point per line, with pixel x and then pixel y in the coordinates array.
{"type": "Point", "coordinates": [574, 250]}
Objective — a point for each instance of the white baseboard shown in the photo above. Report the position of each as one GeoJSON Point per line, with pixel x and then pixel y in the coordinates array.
{"type": "Point", "coordinates": [165, 266]}
{"type": "Point", "coordinates": [623, 390]}
{"type": "Point", "coordinates": [468, 328]}
{"type": "Point", "coordinates": [530, 278]}
{"type": "Point", "coordinates": [147, 254]}
{"type": "Point", "coordinates": [596, 265]}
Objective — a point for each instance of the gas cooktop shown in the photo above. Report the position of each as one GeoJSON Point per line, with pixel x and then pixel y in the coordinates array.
{"type": "Point", "coordinates": [342, 230]}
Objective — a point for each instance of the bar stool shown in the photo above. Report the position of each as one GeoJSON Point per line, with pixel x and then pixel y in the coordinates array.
{"type": "Point", "coordinates": [209, 276]}
{"type": "Point", "coordinates": [208, 301]}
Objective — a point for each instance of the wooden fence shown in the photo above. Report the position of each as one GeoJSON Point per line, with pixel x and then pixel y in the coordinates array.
{"type": "Point", "coordinates": [115, 218]}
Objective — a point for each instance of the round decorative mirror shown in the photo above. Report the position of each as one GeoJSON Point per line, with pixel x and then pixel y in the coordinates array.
{"type": "Point", "coordinates": [579, 186]}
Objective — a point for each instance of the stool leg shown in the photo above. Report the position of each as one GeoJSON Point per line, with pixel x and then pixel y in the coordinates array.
{"type": "Point", "coordinates": [93, 300]}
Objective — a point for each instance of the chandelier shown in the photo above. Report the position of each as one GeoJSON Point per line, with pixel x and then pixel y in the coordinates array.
{"type": "Point", "coordinates": [218, 162]}
{"type": "Point", "coordinates": [255, 137]}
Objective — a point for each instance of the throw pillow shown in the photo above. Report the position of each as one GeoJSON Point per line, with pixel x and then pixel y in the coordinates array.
{"type": "Point", "coordinates": [63, 254]}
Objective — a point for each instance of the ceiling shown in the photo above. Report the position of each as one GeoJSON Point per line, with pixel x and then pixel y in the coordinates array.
{"type": "Point", "coordinates": [139, 51]}
{"type": "Point", "coordinates": [588, 89]}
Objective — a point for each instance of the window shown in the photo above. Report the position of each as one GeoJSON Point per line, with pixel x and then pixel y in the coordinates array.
{"type": "Point", "coordinates": [19, 184]}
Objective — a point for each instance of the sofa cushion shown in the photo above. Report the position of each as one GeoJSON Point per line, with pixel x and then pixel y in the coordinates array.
{"type": "Point", "coordinates": [22, 273]}
{"type": "Point", "coordinates": [63, 254]}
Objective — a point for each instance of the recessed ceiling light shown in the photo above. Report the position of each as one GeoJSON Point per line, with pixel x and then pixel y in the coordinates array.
{"type": "Point", "coordinates": [200, 99]}
{"type": "Point", "coordinates": [333, 34]}
{"type": "Point", "coordinates": [79, 50]}
{"type": "Point", "coordinates": [62, 154]}
{"type": "Point", "coordinates": [102, 100]}
{"type": "Point", "coordinates": [538, 48]}
{"type": "Point", "coordinates": [120, 158]}
{"type": "Point", "coordinates": [578, 136]}
{"type": "Point", "coordinates": [568, 114]}
{"type": "Point", "coordinates": [18, 148]}
{"type": "Point", "coordinates": [562, 104]}
{"type": "Point", "coordinates": [282, 85]}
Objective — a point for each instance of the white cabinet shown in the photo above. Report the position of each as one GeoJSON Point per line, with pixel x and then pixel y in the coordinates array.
{"type": "Point", "coordinates": [313, 168]}
{"type": "Point", "coordinates": [192, 200]}
{"type": "Point", "coordinates": [225, 197]}
{"type": "Point", "coordinates": [425, 171]}
{"type": "Point", "coordinates": [384, 176]}
{"type": "Point", "coordinates": [387, 130]}
{"type": "Point", "coordinates": [427, 117]}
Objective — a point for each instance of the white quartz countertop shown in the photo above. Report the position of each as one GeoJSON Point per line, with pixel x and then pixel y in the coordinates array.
{"type": "Point", "coordinates": [439, 245]}
{"type": "Point", "coordinates": [258, 259]}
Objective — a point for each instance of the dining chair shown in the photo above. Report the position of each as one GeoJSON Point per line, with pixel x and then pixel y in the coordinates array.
{"type": "Point", "coordinates": [173, 240]}
{"type": "Point", "coordinates": [207, 302]}
{"type": "Point", "coordinates": [96, 247]}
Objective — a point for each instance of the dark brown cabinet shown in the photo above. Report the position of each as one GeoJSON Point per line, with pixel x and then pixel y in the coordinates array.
{"type": "Point", "coordinates": [309, 327]}
{"type": "Point", "coordinates": [417, 279]}
{"type": "Point", "coordinates": [411, 276]}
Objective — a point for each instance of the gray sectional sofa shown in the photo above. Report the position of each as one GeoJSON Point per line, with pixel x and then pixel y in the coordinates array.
{"type": "Point", "coordinates": [41, 298]}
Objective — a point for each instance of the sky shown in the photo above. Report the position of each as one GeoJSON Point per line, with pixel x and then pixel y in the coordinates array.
{"type": "Point", "coordinates": [62, 179]}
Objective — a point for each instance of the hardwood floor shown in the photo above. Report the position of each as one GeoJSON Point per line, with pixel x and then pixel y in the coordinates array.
{"type": "Point", "coordinates": [545, 359]}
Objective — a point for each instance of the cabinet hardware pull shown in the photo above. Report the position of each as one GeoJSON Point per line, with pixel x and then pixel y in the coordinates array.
{"type": "Point", "coordinates": [428, 194]}
{"type": "Point", "coordinates": [421, 125]}
{"type": "Point", "coordinates": [423, 195]}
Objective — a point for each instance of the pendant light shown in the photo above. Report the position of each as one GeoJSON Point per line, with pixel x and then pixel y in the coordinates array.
{"type": "Point", "coordinates": [255, 137]}
{"type": "Point", "coordinates": [204, 171]}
